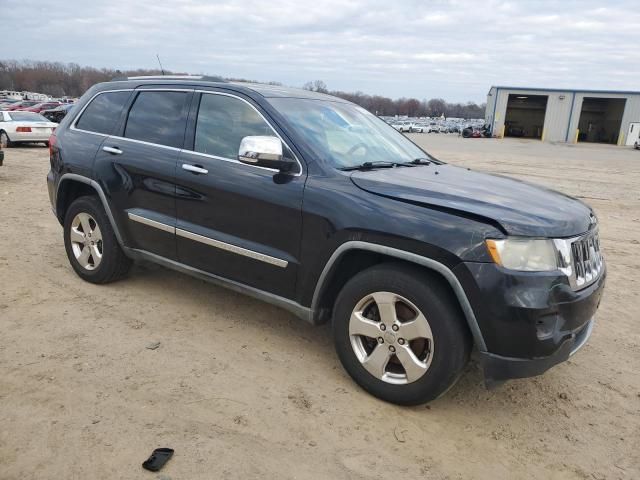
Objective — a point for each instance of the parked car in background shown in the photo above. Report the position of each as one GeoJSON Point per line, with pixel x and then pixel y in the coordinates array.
{"type": "Point", "coordinates": [402, 126]}
{"type": "Point", "coordinates": [6, 102]}
{"type": "Point", "coordinates": [42, 106]}
{"type": "Point", "coordinates": [22, 104]}
{"type": "Point", "coordinates": [420, 127]}
{"type": "Point", "coordinates": [57, 114]}
{"type": "Point", "coordinates": [24, 127]}
{"type": "Point", "coordinates": [474, 131]}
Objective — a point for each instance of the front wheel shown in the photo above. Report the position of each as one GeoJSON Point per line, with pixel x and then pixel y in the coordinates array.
{"type": "Point", "coordinates": [400, 334]}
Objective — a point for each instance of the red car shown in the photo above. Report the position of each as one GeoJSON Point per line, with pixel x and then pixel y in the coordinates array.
{"type": "Point", "coordinates": [22, 105]}
{"type": "Point", "coordinates": [41, 107]}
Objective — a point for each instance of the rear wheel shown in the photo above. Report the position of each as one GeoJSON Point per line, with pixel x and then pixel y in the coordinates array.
{"type": "Point", "coordinates": [399, 334]}
{"type": "Point", "coordinates": [91, 244]}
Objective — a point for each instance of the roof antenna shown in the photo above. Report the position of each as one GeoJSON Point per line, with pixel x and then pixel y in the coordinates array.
{"type": "Point", "coordinates": [160, 63]}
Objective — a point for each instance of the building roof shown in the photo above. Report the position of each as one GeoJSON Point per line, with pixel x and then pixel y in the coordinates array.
{"type": "Point", "coordinates": [569, 90]}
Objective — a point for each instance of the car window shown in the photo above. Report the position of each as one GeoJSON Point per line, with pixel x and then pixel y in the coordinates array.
{"type": "Point", "coordinates": [103, 112]}
{"type": "Point", "coordinates": [27, 117]}
{"type": "Point", "coordinates": [223, 122]}
{"type": "Point", "coordinates": [344, 134]}
{"type": "Point", "coordinates": [158, 117]}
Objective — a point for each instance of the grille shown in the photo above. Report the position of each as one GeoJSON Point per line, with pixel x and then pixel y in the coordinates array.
{"type": "Point", "coordinates": [587, 259]}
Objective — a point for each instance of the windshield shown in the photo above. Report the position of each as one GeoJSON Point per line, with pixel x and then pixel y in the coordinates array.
{"type": "Point", "coordinates": [27, 117]}
{"type": "Point", "coordinates": [344, 134]}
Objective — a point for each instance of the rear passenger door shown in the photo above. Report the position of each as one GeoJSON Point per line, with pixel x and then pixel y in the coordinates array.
{"type": "Point", "coordinates": [238, 221]}
{"type": "Point", "coordinates": [139, 164]}
{"type": "Point", "coordinates": [96, 122]}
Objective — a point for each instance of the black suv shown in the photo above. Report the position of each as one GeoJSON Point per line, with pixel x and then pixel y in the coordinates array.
{"type": "Point", "coordinates": [313, 204]}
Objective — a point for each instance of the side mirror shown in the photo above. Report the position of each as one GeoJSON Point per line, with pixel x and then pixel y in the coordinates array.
{"type": "Point", "coordinates": [264, 151]}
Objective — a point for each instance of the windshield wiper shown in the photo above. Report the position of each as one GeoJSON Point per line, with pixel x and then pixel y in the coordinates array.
{"type": "Point", "coordinates": [370, 165]}
{"type": "Point", "coordinates": [419, 161]}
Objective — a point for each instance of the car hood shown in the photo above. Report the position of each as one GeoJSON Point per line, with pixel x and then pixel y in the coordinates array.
{"type": "Point", "coordinates": [519, 208]}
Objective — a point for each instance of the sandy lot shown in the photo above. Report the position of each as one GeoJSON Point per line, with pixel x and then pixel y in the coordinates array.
{"type": "Point", "coordinates": [241, 389]}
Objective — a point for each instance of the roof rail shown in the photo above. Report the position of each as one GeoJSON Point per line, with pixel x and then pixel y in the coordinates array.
{"type": "Point", "coordinates": [177, 77]}
{"type": "Point", "coordinates": [167, 77]}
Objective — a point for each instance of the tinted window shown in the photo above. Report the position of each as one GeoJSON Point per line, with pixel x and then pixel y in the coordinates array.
{"type": "Point", "coordinates": [103, 112]}
{"type": "Point", "coordinates": [158, 117]}
{"type": "Point", "coordinates": [222, 123]}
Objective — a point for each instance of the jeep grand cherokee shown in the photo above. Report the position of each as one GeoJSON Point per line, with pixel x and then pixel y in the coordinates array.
{"type": "Point", "coordinates": [313, 204]}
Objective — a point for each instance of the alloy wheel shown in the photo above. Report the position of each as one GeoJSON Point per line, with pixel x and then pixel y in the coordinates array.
{"type": "Point", "coordinates": [391, 338]}
{"type": "Point", "coordinates": [86, 241]}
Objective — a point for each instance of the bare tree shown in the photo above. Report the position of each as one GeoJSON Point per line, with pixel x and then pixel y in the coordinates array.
{"type": "Point", "coordinates": [316, 86]}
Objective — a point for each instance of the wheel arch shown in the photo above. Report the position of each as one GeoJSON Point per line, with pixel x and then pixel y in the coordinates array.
{"type": "Point", "coordinates": [72, 186]}
{"type": "Point", "coordinates": [354, 256]}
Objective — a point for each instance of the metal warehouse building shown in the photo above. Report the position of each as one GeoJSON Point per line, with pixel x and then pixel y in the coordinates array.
{"type": "Point", "coordinates": [552, 115]}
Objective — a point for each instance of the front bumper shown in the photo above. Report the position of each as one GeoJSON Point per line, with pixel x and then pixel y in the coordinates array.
{"type": "Point", "coordinates": [530, 321]}
{"type": "Point", "coordinates": [499, 368]}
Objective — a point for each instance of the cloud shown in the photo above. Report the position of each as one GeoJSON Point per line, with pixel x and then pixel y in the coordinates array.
{"type": "Point", "coordinates": [453, 49]}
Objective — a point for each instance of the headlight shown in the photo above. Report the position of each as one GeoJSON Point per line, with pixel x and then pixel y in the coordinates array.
{"type": "Point", "coordinates": [524, 254]}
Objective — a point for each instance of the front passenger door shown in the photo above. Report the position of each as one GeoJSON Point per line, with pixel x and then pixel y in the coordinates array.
{"type": "Point", "coordinates": [237, 221]}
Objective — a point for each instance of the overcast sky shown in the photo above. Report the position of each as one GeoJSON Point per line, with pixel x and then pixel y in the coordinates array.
{"type": "Point", "coordinates": [424, 49]}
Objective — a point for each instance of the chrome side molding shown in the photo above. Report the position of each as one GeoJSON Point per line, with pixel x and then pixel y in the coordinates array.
{"type": "Point", "coordinates": [151, 223]}
{"type": "Point", "coordinates": [212, 242]}
{"type": "Point", "coordinates": [228, 247]}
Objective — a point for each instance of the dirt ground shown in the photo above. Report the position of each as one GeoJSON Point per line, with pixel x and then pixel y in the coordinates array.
{"type": "Point", "coordinates": [241, 389]}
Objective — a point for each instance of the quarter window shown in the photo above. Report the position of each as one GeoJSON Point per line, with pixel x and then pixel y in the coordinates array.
{"type": "Point", "coordinates": [158, 117]}
{"type": "Point", "coordinates": [103, 112]}
{"type": "Point", "coordinates": [223, 122]}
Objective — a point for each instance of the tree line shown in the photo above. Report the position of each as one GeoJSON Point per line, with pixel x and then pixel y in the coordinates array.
{"type": "Point", "coordinates": [72, 80]}
{"type": "Point", "coordinates": [57, 79]}
{"type": "Point", "coordinates": [411, 107]}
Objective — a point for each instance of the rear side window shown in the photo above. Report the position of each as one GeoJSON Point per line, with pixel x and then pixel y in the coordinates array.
{"type": "Point", "coordinates": [158, 117]}
{"type": "Point", "coordinates": [223, 122]}
{"type": "Point", "coordinates": [103, 112]}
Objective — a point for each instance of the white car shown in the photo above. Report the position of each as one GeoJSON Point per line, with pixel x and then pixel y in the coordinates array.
{"type": "Point", "coordinates": [402, 126]}
{"type": "Point", "coordinates": [420, 128]}
{"type": "Point", "coordinates": [18, 127]}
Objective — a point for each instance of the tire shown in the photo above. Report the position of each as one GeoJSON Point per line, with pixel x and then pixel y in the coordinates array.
{"type": "Point", "coordinates": [441, 358]}
{"type": "Point", "coordinates": [95, 255]}
{"type": "Point", "coordinates": [4, 140]}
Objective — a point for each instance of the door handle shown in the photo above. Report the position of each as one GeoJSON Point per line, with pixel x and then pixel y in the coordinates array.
{"type": "Point", "coordinates": [194, 169]}
{"type": "Point", "coordinates": [112, 150]}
